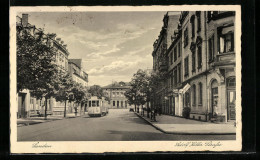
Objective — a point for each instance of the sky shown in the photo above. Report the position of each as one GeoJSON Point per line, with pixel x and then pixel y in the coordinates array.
{"type": "Point", "coordinates": [112, 45]}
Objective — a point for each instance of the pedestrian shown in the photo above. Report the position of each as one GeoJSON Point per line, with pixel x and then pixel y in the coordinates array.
{"type": "Point", "coordinates": [155, 113]}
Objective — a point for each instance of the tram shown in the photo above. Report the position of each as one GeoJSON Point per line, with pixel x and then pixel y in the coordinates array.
{"type": "Point", "coordinates": [97, 107]}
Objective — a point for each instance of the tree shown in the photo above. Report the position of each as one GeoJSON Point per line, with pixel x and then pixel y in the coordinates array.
{"type": "Point", "coordinates": [80, 95]}
{"type": "Point", "coordinates": [130, 94]}
{"type": "Point", "coordinates": [137, 93]}
{"type": "Point", "coordinates": [96, 90]}
{"type": "Point", "coordinates": [65, 92]}
{"type": "Point", "coordinates": [155, 80]}
{"type": "Point", "coordinates": [36, 69]}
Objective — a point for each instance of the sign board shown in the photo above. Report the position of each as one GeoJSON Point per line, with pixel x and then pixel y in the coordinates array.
{"type": "Point", "coordinates": [186, 87]}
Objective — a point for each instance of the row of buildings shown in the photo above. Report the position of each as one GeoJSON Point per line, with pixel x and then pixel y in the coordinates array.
{"type": "Point", "coordinates": [30, 106]}
{"type": "Point", "coordinates": [198, 57]}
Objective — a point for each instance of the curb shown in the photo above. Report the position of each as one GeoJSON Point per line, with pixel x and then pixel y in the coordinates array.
{"type": "Point", "coordinates": [184, 133]}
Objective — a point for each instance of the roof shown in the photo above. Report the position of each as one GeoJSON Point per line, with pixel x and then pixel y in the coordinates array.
{"type": "Point", "coordinates": [118, 85]}
{"type": "Point", "coordinates": [76, 62]}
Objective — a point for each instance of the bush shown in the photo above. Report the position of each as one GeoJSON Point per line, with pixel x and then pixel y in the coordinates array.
{"type": "Point", "coordinates": [186, 112]}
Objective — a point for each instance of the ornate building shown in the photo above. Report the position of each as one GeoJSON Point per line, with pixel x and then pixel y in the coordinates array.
{"type": "Point", "coordinates": [200, 66]}
{"type": "Point", "coordinates": [160, 61]}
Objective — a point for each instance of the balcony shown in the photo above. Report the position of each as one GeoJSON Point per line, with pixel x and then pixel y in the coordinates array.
{"type": "Point", "coordinates": [225, 59]}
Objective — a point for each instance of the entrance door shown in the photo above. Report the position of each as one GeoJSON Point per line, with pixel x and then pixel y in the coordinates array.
{"type": "Point", "coordinates": [214, 92]}
{"type": "Point", "coordinates": [231, 105]}
{"type": "Point", "coordinates": [214, 97]}
{"type": "Point", "coordinates": [231, 98]}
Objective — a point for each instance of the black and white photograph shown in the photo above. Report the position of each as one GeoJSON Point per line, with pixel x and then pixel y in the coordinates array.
{"type": "Point", "coordinates": [125, 79]}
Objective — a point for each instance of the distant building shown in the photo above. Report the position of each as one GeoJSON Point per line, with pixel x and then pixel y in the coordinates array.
{"type": "Point", "coordinates": [115, 92]}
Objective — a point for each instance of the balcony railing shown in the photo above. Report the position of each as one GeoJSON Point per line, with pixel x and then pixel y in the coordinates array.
{"type": "Point", "coordinates": [225, 59]}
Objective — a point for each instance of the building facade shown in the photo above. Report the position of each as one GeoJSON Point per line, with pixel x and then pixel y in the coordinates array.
{"type": "Point", "coordinates": [201, 66]}
{"type": "Point", "coordinates": [28, 105]}
{"type": "Point", "coordinates": [77, 73]}
{"type": "Point", "coordinates": [160, 62]}
{"type": "Point", "coordinates": [116, 93]}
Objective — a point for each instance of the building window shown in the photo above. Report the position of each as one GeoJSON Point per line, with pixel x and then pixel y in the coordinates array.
{"type": "Point", "coordinates": [192, 26]}
{"type": "Point", "coordinates": [114, 103]}
{"type": "Point", "coordinates": [186, 65]}
{"type": "Point", "coordinates": [175, 77]}
{"type": "Point", "coordinates": [179, 73]}
{"type": "Point", "coordinates": [194, 95]}
{"type": "Point", "coordinates": [198, 14]}
{"type": "Point", "coordinates": [193, 60]}
{"type": "Point", "coordinates": [186, 37]}
{"type": "Point", "coordinates": [187, 99]}
{"type": "Point", "coordinates": [172, 80]}
{"type": "Point", "coordinates": [200, 93]}
{"type": "Point", "coordinates": [211, 48]}
{"type": "Point", "coordinates": [179, 49]}
{"type": "Point", "coordinates": [231, 82]}
{"type": "Point", "coordinates": [226, 43]}
{"type": "Point", "coordinates": [171, 58]}
{"type": "Point", "coordinates": [175, 54]}
{"type": "Point", "coordinates": [199, 57]}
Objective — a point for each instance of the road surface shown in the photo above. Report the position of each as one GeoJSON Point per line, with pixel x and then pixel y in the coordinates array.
{"type": "Point", "coordinates": [118, 125]}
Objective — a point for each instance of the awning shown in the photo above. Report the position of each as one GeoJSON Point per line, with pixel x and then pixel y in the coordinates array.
{"type": "Point", "coordinates": [185, 88]}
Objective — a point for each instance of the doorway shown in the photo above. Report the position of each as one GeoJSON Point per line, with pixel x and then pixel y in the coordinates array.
{"type": "Point", "coordinates": [214, 97]}
{"type": "Point", "coordinates": [231, 98]}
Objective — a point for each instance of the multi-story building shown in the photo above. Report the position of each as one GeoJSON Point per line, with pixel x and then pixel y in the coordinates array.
{"type": "Point", "coordinates": [174, 100]}
{"type": "Point", "coordinates": [160, 61]}
{"type": "Point", "coordinates": [116, 93]}
{"type": "Point", "coordinates": [206, 80]}
{"type": "Point", "coordinates": [221, 79]}
{"type": "Point", "coordinates": [28, 105]}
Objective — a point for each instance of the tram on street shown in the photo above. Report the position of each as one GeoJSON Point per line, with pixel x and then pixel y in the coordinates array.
{"type": "Point", "coordinates": [97, 107]}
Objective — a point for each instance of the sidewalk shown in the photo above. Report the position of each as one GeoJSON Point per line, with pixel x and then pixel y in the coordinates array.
{"type": "Point", "coordinates": [37, 120]}
{"type": "Point", "coordinates": [177, 125]}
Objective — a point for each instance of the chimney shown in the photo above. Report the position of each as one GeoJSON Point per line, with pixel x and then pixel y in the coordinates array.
{"type": "Point", "coordinates": [24, 20]}
{"type": "Point", "coordinates": [58, 39]}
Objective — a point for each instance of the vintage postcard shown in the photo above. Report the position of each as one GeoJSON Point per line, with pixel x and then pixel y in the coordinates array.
{"type": "Point", "coordinates": [125, 79]}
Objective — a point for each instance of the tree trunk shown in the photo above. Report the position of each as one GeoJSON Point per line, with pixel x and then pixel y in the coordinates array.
{"type": "Point", "coordinates": [142, 110]}
{"type": "Point", "coordinates": [135, 107]}
{"type": "Point", "coordinates": [45, 115]}
{"type": "Point", "coordinates": [147, 109]}
{"type": "Point", "coordinates": [65, 108]}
